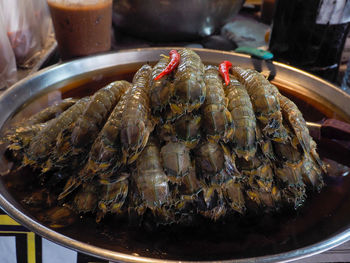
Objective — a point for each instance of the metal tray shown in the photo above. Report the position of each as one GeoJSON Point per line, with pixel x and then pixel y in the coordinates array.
{"type": "Point", "coordinates": [330, 100]}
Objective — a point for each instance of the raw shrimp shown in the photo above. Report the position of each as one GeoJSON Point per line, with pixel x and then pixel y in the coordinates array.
{"type": "Point", "coordinates": [295, 119]}
{"type": "Point", "coordinates": [162, 89]}
{"type": "Point", "coordinates": [241, 109]}
{"type": "Point", "coordinates": [42, 143]}
{"type": "Point", "coordinates": [261, 189]}
{"type": "Point", "coordinates": [151, 182]}
{"type": "Point", "coordinates": [217, 120]}
{"type": "Point", "coordinates": [111, 198]}
{"type": "Point", "coordinates": [46, 114]}
{"type": "Point", "coordinates": [136, 122]}
{"type": "Point", "coordinates": [74, 142]}
{"type": "Point", "coordinates": [264, 99]}
{"type": "Point", "coordinates": [223, 181]}
{"type": "Point", "coordinates": [104, 159]}
{"type": "Point", "coordinates": [289, 173]}
{"type": "Point", "coordinates": [186, 129]}
{"type": "Point", "coordinates": [189, 86]}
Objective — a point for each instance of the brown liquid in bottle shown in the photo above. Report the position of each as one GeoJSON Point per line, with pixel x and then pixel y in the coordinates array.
{"type": "Point", "coordinates": [82, 29]}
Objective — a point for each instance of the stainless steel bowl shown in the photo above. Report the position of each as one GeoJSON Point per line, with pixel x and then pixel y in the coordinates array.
{"type": "Point", "coordinates": [324, 224]}
{"type": "Point", "coordinates": [166, 20]}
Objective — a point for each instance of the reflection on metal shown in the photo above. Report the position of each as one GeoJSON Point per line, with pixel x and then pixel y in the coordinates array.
{"type": "Point", "coordinates": [57, 76]}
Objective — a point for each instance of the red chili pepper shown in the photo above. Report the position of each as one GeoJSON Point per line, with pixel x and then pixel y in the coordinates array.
{"type": "Point", "coordinates": [174, 62]}
{"type": "Point", "coordinates": [224, 68]}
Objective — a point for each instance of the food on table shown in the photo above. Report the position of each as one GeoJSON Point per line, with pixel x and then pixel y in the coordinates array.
{"type": "Point", "coordinates": [197, 142]}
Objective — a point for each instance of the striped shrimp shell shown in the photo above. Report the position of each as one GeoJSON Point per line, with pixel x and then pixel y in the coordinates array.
{"type": "Point", "coordinates": [217, 120]}
{"type": "Point", "coordinates": [150, 181]}
{"type": "Point", "coordinates": [26, 129]}
{"type": "Point", "coordinates": [264, 99]}
{"type": "Point", "coordinates": [162, 89]}
{"type": "Point", "coordinates": [104, 158]}
{"type": "Point", "coordinates": [42, 143]}
{"type": "Point", "coordinates": [136, 121]}
{"type": "Point", "coordinates": [48, 113]}
{"type": "Point", "coordinates": [72, 142]}
{"type": "Point", "coordinates": [189, 86]}
{"type": "Point", "coordinates": [261, 188]}
{"type": "Point", "coordinates": [102, 102]}
{"type": "Point", "coordinates": [223, 188]}
{"type": "Point", "coordinates": [296, 120]}
{"type": "Point", "coordinates": [105, 155]}
{"type": "Point", "coordinates": [241, 109]}
{"type": "Point", "coordinates": [185, 128]}
{"type": "Point", "coordinates": [20, 138]}
{"type": "Point", "coordinates": [288, 170]}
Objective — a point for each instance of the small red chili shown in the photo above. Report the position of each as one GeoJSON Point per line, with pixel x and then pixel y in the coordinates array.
{"type": "Point", "coordinates": [224, 68]}
{"type": "Point", "coordinates": [174, 62]}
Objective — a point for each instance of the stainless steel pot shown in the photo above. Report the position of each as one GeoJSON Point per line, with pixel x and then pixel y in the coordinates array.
{"type": "Point", "coordinates": [291, 79]}
{"type": "Point", "coordinates": [167, 20]}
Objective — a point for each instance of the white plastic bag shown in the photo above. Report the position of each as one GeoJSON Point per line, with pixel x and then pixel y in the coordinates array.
{"type": "Point", "coordinates": [42, 15]}
{"type": "Point", "coordinates": [22, 29]}
{"type": "Point", "coordinates": [8, 69]}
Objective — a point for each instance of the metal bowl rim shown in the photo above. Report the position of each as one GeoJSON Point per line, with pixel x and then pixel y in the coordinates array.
{"type": "Point", "coordinates": [50, 234]}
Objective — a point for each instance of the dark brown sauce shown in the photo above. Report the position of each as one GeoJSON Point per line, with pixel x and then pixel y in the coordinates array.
{"type": "Point", "coordinates": [82, 28]}
{"type": "Point", "coordinates": [322, 215]}
{"type": "Point", "coordinates": [88, 86]}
